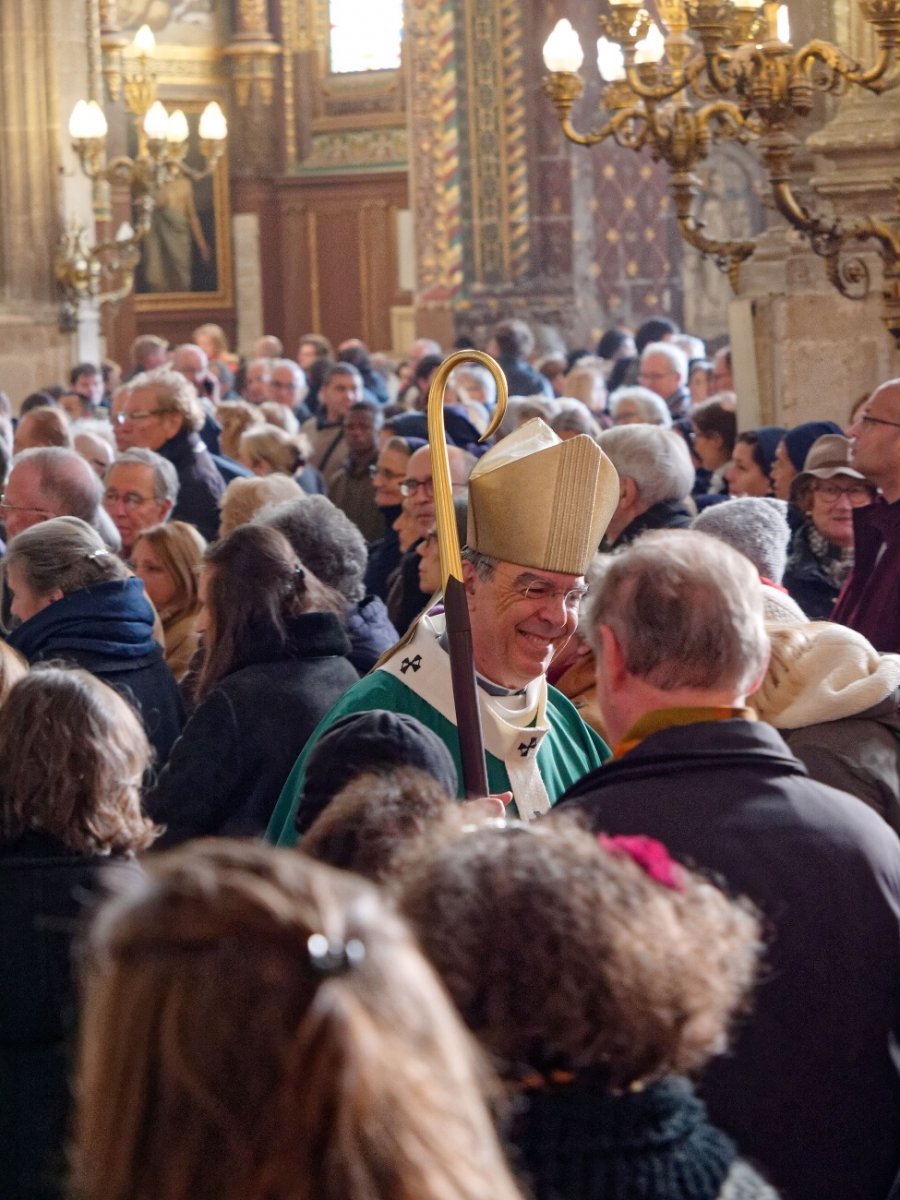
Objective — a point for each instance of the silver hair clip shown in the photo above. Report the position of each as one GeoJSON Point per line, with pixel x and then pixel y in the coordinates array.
{"type": "Point", "coordinates": [100, 553]}
{"type": "Point", "coordinates": [333, 958]}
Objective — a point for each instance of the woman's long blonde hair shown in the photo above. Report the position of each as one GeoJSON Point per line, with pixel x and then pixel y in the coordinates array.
{"type": "Point", "coordinates": [260, 1027]}
{"type": "Point", "coordinates": [179, 548]}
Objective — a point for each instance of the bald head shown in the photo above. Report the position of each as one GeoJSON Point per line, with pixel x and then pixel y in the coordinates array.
{"type": "Point", "coordinates": [876, 439]}
{"type": "Point", "coordinates": [191, 362]}
{"type": "Point", "coordinates": [49, 482]}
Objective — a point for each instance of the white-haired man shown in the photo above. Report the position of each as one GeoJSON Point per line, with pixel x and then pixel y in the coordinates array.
{"type": "Point", "coordinates": [160, 411]}
{"type": "Point", "coordinates": [811, 1089]}
{"type": "Point", "coordinates": [537, 509]}
{"type": "Point", "coordinates": [664, 370]}
{"type": "Point", "coordinates": [655, 475]}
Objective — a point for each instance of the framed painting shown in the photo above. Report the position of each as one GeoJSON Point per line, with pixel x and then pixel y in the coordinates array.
{"type": "Point", "coordinates": [186, 260]}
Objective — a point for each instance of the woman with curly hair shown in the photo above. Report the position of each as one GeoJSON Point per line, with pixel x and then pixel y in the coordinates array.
{"type": "Point", "coordinates": [285, 1011]}
{"type": "Point", "coordinates": [72, 755]}
{"type": "Point", "coordinates": [274, 663]}
{"type": "Point", "coordinates": [598, 976]}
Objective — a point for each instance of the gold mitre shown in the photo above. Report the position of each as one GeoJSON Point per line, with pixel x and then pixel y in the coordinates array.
{"type": "Point", "coordinates": [538, 501]}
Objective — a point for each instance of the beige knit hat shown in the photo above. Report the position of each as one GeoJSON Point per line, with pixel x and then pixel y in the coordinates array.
{"type": "Point", "coordinates": [537, 501]}
{"type": "Point", "coordinates": [822, 672]}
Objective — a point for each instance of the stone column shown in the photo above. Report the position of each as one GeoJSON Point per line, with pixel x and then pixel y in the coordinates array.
{"type": "Point", "coordinates": [43, 69]}
{"type": "Point", "coordinates": [817, 352]}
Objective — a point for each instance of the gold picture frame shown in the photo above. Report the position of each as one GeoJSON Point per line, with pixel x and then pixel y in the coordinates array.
{"type": "Point", "coordinates": [189, 242]}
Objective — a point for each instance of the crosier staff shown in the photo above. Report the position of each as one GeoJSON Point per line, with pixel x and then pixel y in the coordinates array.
{"type": "Point", "coordinates": [456, 610]}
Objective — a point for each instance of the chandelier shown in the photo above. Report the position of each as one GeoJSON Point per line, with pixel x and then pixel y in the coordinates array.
{"type": "Point", "coordinates": [726, 70]}
{"type": "Point", "coordinates": [104, 272]}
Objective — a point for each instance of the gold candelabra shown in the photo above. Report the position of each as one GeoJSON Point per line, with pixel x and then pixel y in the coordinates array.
{"type": "Point", "coordinates": [104, 272]}
{"type": "Point", "coordinates": [726, 69]}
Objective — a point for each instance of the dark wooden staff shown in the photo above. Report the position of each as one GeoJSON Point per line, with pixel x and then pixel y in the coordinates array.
{"type": "Point", "coordinates": [459, 629]}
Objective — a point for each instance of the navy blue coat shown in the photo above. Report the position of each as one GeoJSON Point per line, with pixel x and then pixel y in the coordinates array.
{"type": "Point", "coordinates": [108, 630]}
{"type": "Point", "coordinates": [811, 1089]}
{"type": "Point", "coordinates": [370, 631]}
{"type": "Point", "coordinates": [240, 744]}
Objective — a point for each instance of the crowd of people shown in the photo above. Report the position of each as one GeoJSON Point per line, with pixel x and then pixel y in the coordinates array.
{"type": "Point", "coordinates": [263, 935]}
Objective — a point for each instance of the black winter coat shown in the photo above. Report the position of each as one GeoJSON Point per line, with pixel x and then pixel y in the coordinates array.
{"type": "Point", "coordinates": [806, 581]}
{"type": "Point", "coordinates": [240, 744]}
{"type": "Point", "coordinates": [668, 514]}
{"type": "Point", "coordinates": [44, 890]}
{"type": "Point", "coordinates": [200, 486]}
{"type": "Point", "coordinates": [811, 1089]}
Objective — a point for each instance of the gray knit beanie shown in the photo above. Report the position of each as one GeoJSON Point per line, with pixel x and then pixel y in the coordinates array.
{"type": "Point", "coordinates": [757, 526]}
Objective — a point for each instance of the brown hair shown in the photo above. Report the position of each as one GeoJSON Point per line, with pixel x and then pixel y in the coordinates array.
{"type": "Point", "coordinates": [179, 548]}
{"type": "Point", "coordinates": [254, 580]}
{"type": "Point", "coordinates": [717, 417]}
{"type": "Point", "coordinates": [72, 755]}
{"type": "Point", "coordinates": [287, 1010]}
{"type": "Point", "coordinates": [561, 956]}
{"type": "Point", "coordinates": [375, 818]}
{"type": "Point", "coordinates": [50, 426]}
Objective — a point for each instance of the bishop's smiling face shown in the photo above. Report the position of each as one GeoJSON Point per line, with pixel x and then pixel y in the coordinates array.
{"type": "Point", "coordinates": [520, 617]}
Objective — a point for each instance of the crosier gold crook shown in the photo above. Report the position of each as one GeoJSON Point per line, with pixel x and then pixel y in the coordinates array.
{"type": "Point", "coordinates": [459, 631]}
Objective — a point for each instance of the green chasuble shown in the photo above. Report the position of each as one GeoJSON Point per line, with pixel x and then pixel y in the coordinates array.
{"type": "Point", "coordinates": [548, 741]}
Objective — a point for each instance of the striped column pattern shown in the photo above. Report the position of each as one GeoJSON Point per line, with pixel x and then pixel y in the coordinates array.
{"type": "Point", "coordinates": [515, 184]}
{"type": "Point", "coordinates": [451, 264]}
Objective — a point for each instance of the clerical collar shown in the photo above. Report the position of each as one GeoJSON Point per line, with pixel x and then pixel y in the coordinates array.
{"type": "Point", "coordinates": [487, 685]}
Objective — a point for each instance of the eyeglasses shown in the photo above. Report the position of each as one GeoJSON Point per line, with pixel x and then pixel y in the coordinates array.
{"type": "Point", "coordinates": [656, 374]}
{"type": "Point", "coordinates": [541, 591]}
{"type": "Point", "coordinates": [409, 487]}
{"type": "Point", "coordinates": [131, 500]}
{"type": "Point", "coordinates": [384, 473]}
{"type": "Point", "coordinates": [858, 494]}
{"type": "Point", "coordinates": [22, 507]}
{"type": "Point", "coordinates": [867, 420]}
{"type": "Point", "coordinates": [123, 418]}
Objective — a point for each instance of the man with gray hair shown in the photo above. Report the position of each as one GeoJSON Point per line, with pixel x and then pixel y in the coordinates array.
{"type": "Point", "coordinates": [655, 476]}
{"type": "Point", "coordinates": [141, 489]}
{"type": "Point", "coordinates": [331, 545]}
{"type": "Point", "coordinates": [811, 1089]}
{"type": "Point", "coordinates": [664, 370]}
{"type": "Point", "coordinates": [287, 386]}
{"type": "Point", "coordinates": [633, 405]}
{"type": "Point", "coordinates": [160, 411]}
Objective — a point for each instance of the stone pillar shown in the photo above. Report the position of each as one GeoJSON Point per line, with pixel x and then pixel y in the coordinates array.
{"type": "Point", "coordinates": [816, 351]}
{"type": "Point", "coordinates": [43, 70]}
{"type": "Point", "coordinates": [431, 53]}
{"type": "Point", "coordinates": [253, 52]}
